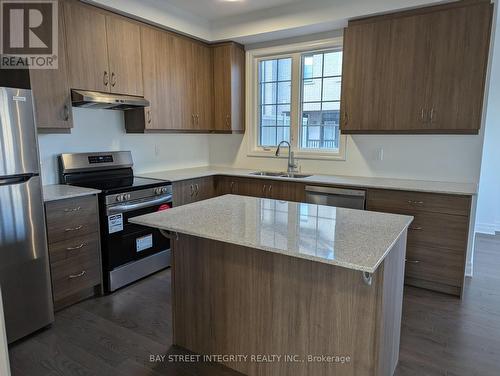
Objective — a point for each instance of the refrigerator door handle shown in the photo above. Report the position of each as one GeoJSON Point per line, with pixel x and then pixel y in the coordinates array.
{"type": "Point", "coordinates": [16, 179]}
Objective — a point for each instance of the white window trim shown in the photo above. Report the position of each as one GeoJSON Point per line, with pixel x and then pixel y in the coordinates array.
{"type": "Point", "coordinates": [252, 93]}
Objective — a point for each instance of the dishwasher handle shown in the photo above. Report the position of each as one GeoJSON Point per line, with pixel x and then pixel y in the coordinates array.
{"type": "Point", "coordinates": [335, 191]}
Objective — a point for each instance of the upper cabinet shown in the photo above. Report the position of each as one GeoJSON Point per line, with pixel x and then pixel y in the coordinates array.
{"type": "Point", "coordinates": [51, 93]}
{"type": "Point", "coordinates": [178, 83]}
{"type": "Point", "coordinates": [421, 71]}
{"type": "Point", "coordinates": [229, 88]}
{"type": "Point", "coordinates": [104, 51]}
{"type": "Point", "coordinates": [124, 56]}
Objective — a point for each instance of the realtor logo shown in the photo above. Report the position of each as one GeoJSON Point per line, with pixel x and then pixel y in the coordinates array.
{"type": "Point", "coordinates": [29, 34]}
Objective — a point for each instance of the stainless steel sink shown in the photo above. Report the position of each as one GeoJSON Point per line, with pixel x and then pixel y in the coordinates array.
{"type": "Point", "coordinates": [295, 176]}
{"type": "Point", "coordinates": [280, 174]}
{"type": "Point", "coordinates": [266, 173]}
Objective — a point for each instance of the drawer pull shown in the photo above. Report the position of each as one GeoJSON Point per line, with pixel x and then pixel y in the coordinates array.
{"type": "Point", "coordinates": [73, 209]}
{"type": "Point", "coordinates": [74, 228]}
{"type": "Point", "coordinates": [413, 202]}
{"type": "Point", "coordinates": [81, 274]}
{"type": "Point", "coordinates": [412, 261]}
{"type": "Point", "coordinates": [417, 228]}
{"type": "Point", "coordinates": [77, 247]}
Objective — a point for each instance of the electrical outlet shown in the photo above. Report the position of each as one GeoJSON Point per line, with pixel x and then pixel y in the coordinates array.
{"type": "Point", "coordinates": [379, 154]}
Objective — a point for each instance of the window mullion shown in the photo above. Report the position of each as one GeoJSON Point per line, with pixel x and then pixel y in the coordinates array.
{"type": "Point", "coordinates": [295, 103]}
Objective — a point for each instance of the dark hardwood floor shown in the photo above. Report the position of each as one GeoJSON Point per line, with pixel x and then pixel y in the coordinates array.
{"type": "Point", "coordinates": [116, 334]}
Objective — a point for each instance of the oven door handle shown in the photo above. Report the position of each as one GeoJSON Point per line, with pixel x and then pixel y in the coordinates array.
{"type": "Point", "coordinates": [117, 209]}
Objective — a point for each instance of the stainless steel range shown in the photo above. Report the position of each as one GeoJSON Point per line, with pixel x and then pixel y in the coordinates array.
{"type": "Point", "coordinates": [129, 252]}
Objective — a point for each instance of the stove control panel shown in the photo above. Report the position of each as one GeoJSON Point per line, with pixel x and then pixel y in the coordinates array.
{"type": "Point", "coordinates": [161, 190]}
{"type": "Point", "coordinates": [122, 197]}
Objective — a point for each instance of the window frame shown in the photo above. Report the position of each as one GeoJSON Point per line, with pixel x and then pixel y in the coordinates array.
{"type": "Point", "coordinates": [295, 51]}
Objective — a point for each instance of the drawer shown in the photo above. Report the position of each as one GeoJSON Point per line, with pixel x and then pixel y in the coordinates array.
{"type": "Point", "coordinates": [67, 219]}
{"type": "Point", "coordinates": [433, 264]}
{"type": "Point", "coordinates": [75, 274]}
{"type": "Point", "coordinates": [74, 247]}
{"type": "Point", "coordinates": [409, 202]}
{"type": "Point", "coordinates": [439, 230]}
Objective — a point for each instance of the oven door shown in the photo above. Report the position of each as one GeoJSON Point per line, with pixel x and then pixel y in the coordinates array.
{"type": "Point", "coordinates": [125, 242]}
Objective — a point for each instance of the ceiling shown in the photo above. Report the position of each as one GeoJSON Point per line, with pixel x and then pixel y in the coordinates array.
{"type": "Point", "coordinates": [254, 21]}
{"type": "Point", "coordinates": [213, 10]}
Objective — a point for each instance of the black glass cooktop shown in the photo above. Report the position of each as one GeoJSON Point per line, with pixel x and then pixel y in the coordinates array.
{"type": "Point", "coordinates": [112, 181]}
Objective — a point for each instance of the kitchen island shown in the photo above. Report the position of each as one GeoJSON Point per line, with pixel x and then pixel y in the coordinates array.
{"type": "Point", "coordinates": [272, 287]}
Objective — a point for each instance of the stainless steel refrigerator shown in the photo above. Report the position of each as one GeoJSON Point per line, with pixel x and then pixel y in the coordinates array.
{"type": "Point", "coordinates": [24, 266]}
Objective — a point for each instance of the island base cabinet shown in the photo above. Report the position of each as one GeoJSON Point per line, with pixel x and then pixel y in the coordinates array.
{"type": "Point", "coordinates": [230, 299]}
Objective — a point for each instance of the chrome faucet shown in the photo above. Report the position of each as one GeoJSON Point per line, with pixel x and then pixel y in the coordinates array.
{"type": "Point", "coordinates": [292, 166]}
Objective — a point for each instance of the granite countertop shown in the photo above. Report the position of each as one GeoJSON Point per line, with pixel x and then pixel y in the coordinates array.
{"type": "Point", "coordinates": [56, 192]}
{"type": "Point", "coordinates": [353, 239]}
{"type": "Point", "coordinates": [348, 181]}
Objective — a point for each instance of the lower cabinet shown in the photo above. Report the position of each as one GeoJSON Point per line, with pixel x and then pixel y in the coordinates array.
{"type": "Point", "coordinates": [192, 190]}
{"type": "Point", "coordinates": [74, 249]}
{"type": "Point", "coordinates": [256, 187]}
{"type": "Point", "coordinates": [437, 238]}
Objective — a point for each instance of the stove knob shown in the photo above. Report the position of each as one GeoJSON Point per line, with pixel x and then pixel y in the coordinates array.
{"type": "Point", "coordinates": [157, 191]}
{"type": "Point", "coordinates": [127, 196]}
{"type": "Point", "coordinates": [119, 198]}
{"type": "Point", "coordinates": [164, 190]}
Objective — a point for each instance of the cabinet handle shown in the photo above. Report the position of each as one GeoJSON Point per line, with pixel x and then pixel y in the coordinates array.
{"type": "Point", "coordinates": [417, 228]}
{"type": "Point", "coordinates": [192, 189]}
{"type": "Point", "coordinates": [66, 113]}
{"type": "Point", "coordinates": [270, 189]}
{"type": "Point", "coordinates": [81, 274]}
{"type": "Point", "coordinates": [197, 119]}
{"type": "Point", "coordinates": [231, 186]}
{"type": "Point", "coordinates": [422, 115]}
{"type": "Point", "coordinates": [432, 115]}
{"type": "Point", "coordinates": [73, 209]}
{"type": "Point", "coordinates": [412, 261]}
{"type": "Point", "coordinates": [73, 228]}
{"type": "Point", "coordinates": [77, 247]}
{"type": "Point", "coordinates": [193, 121]}
{"type": "Point", "coordinates": [412, 202]}
{"type": "Point", "coordinates": [264, 189]}
{"type": "Point", "coordinates": [113, 79]}
{"type": "Point", "coordinates": [197, 189]}
{"type": "Point", "coordinates": [228, 118]}
{"type": "Point", "coordinates": [149, 116]}
{"type": "Point", "coordinates": [105, 78]}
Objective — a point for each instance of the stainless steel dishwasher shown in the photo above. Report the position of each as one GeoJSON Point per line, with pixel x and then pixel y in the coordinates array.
{"type": "Point", "coordinates": [340, 197]}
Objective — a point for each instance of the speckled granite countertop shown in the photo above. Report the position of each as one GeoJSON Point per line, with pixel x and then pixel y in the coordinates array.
{"type": "Point", "coordinates": [347, 181]}
{"type": "Point", "coordinates": [353, 239]}
{"type": "Point", "coordinates": [56, 192]}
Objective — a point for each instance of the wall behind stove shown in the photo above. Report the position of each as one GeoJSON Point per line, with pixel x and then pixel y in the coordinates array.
{"type": "Point", "coordinates": [103, 130]}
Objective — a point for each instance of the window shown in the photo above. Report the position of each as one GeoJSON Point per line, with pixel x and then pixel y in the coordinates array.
{"type": "Point", "coordinates": [297, 99]}
{"type": "Point", "coordinates": [320, 107]}
{"type": "Point", "coordinates": [275, 82]}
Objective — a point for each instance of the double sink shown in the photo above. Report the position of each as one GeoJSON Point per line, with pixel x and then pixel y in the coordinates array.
{"type": "Point", "coordinates": [280, 174]}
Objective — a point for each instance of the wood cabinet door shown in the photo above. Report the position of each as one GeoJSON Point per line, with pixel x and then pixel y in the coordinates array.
{"type": "Point", "coordinates": [51, 91]}
{"type": "Point", "coordinates": [287, 191]}
{"type": "Point", "coordinates": [159, 84]}
{"type": "Point", "coordinates": [124, 53]}
{"type": "Point", "coordinates": [86, 47]}
{"type": "Point", "coordinates": [459, 46]}
{"type": "Point", "coordinates": [383, 78]}
{"type": "Point", "coordinates": [183, 78]}
{"type": "Point", "coordinates": [202, 65]}
{"type": "Point", "coordinates": [222, 87]}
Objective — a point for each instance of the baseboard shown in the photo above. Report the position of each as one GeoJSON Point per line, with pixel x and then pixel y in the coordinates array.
{"type": "Point", "coordinates": [487, 228]}
{"type": "Point", "coordinates": [469, 269]}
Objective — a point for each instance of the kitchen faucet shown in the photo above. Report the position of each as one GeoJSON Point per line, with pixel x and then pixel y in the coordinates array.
{"type": "Point", "coordinates": [292, 166]}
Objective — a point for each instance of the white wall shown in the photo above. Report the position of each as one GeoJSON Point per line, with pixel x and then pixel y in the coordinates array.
{"type": "Point", "coordinates": [103, 130]}
{"type": "Point", "coordinates": [441, 157]}
{"type": "Point", "coordinates": [488, 209]}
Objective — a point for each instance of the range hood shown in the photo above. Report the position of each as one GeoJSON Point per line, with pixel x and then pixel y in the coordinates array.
{"type": "Point", "coordinates": [108, 101]}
